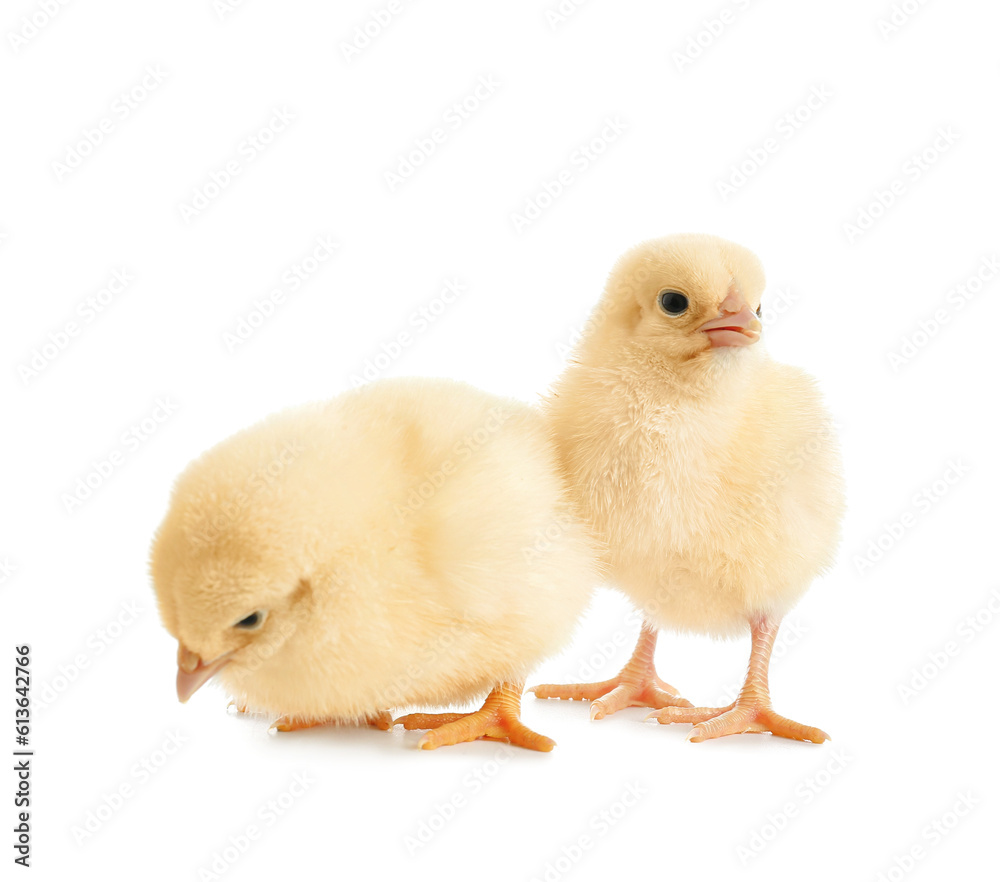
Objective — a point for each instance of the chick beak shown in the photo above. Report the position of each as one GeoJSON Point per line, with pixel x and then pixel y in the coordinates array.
{"type": "Point", "coordinates": [737, 325]}
{"type": "Point", "coordinates": [193, 673]}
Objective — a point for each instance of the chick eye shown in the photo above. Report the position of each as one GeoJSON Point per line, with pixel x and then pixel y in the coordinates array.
{"type": "Point", "coordinates": [759, 311]}
{"type": "Point", "coordinates": [252, 621]}
{"type": "Point", "coordinates": [673, 302]}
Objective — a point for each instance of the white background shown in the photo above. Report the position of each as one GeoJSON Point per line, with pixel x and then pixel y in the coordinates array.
{"type": "Point", "coordinates": [897, 762]}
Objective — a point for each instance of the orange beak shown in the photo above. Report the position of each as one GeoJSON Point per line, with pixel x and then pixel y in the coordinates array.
{"type": "Point", "coordinates": [193, 673]}
{"type": "Point", "coordinates": [737, 325]}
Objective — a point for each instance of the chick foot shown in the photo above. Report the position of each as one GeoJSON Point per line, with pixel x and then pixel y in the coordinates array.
{"type": "Point", "coordinates": [752, 711]}
{"type": "Point", "coordinates": [499, 719]}
{"type": "Point", "coordinates": [636, 686]}
{"type": "Point", "coordinates": [381, 720]}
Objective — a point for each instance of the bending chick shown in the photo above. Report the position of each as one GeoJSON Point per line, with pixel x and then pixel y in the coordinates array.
{"type": "Point", "coordinates": [709, 470]}
{"type": "Point", "coordinates": [381, 550]}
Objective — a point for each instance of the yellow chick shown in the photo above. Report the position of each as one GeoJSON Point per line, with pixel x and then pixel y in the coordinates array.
{"type": "Point", "coordinates": [709, 470]}
{"type": "Point", "coordinates": [408, 543]}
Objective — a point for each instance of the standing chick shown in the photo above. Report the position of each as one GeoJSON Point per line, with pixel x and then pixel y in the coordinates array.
{"type": "Point", "coordinates": [708, 469]}
{"type": "Point", "coordinates": [376, 551]}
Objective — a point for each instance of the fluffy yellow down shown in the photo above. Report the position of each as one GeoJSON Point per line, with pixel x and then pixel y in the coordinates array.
{"type": "Point", "coordinates": [411, 543]}
{"type": "Point", "coordinates": [711, 475]}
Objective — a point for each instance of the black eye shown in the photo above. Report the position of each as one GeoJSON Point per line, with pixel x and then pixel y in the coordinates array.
{"type": "Point", "coordinates": [251, 621]}
{"type": "Point", "coordinates": [673, 302]}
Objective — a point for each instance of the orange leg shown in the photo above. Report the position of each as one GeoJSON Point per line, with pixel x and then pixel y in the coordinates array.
{"type": "Point", "coordinates": [381, 720]}
{"type": "Point", "coordinates": [752, 711]}
{"type": "Point", "coordinates": [636, 686]}
{"type": "Point", "coordinates": [499, 719]}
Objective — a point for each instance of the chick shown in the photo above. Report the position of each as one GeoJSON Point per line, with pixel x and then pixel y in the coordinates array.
{"type": "Point", "coordinates": [408, 543]}
{"type": "Point", "coordinates": [708, 469]}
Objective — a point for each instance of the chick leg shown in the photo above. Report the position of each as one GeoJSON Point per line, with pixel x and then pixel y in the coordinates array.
{"type": "Point", "coordinates": [752, 711]}
{"type": "Point", "coordinates": [499, 719]}
{"type": "Point", "coordinates": [636, 686]}
{"type": "Point", "coordinates": [381, 720]}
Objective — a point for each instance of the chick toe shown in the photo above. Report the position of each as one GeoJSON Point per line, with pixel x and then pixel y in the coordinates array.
{"type": "Point", "coordinates": [381, 720]}
{"type": "Point", "coordinates": [752, 711]}
{"type": "Point", "coordinates": [637, 685]}
{"type": "Point", "coordinates": [688, 714]}
{"type": "Point", "coordinates": [499, 719]}
{"type": "Point", "coordinates": [427, 721]}
{"type": "Point", "coordinates": [749, 718]}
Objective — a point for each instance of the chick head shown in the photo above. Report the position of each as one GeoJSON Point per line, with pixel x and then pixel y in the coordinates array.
{"type": "Point", "coordinates": [684, 296]}
{"type": "Point", "coordinates": [231, 585]}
